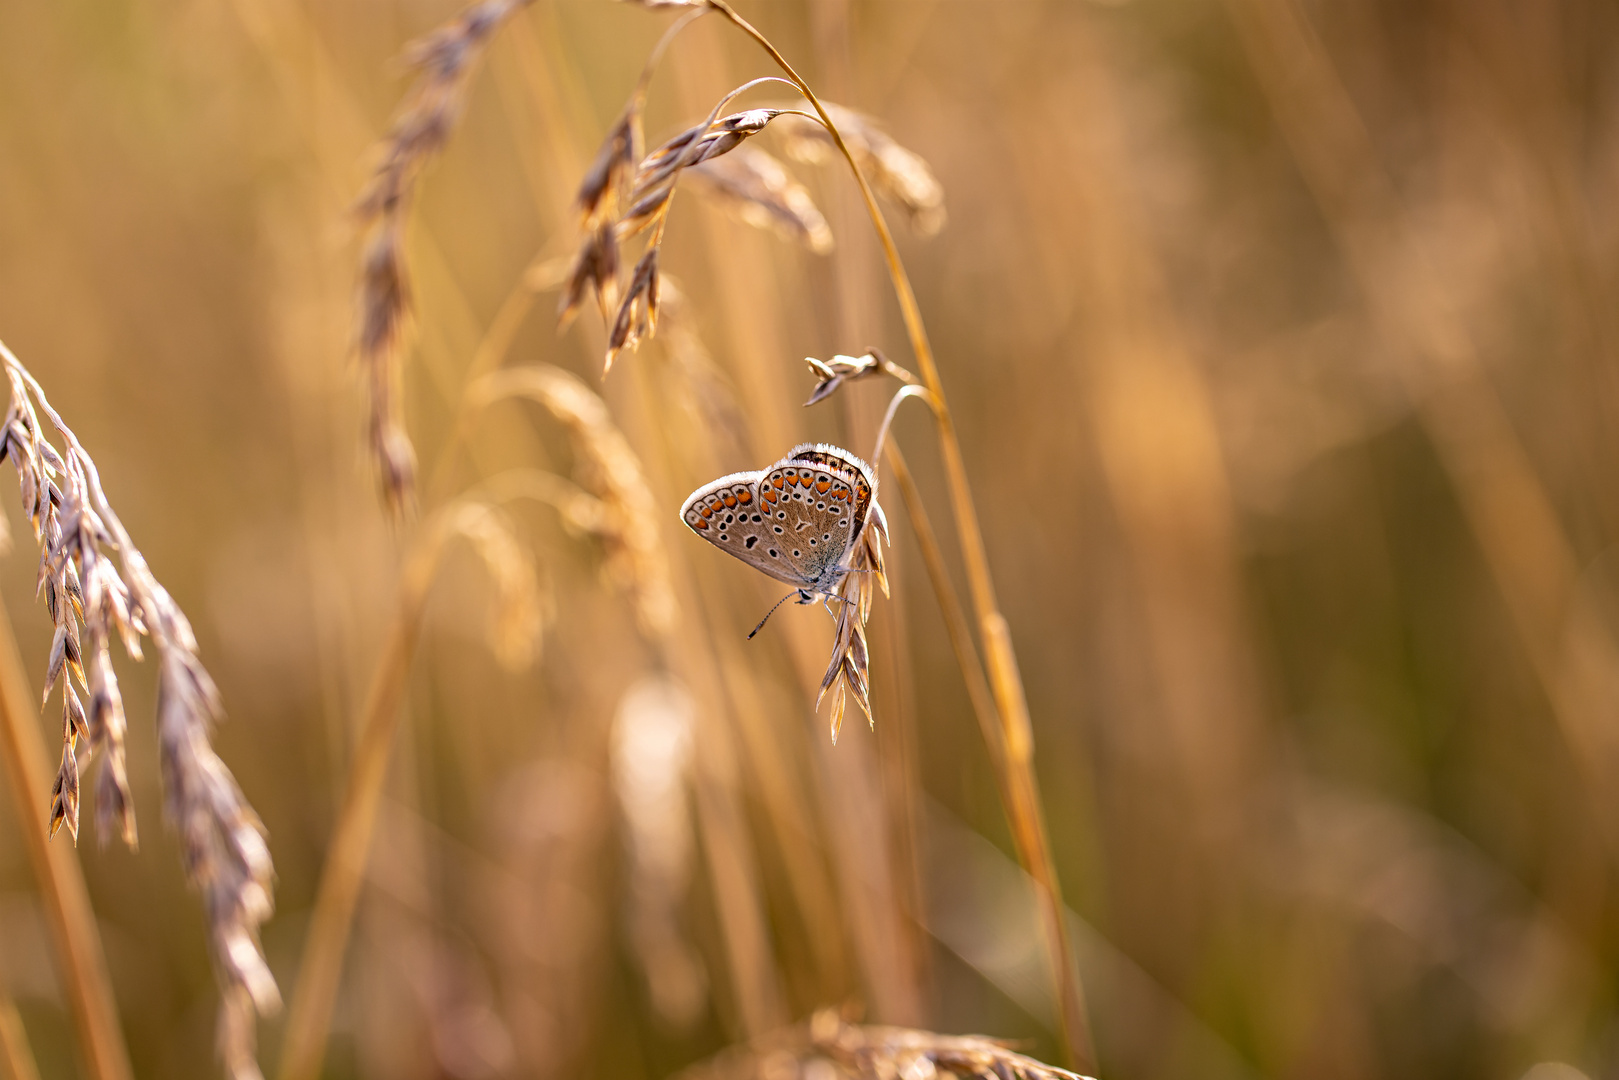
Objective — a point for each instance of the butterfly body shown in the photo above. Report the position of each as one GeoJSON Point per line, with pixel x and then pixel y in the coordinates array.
{"type": "Point", "coordinates": [797, 520]}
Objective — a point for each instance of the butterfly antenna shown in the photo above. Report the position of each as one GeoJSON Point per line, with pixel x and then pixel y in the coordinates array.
{"type": "Point", "coordinates": [771, 612]}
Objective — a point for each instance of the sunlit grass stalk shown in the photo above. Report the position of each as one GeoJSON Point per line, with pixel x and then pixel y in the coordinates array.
{"type": "Point", "coordinates": [1509, 508]}
{"type": "Point", "coordinates": [309, 1017]}
{"type": "Point", "coordinates": [1023, 806]}
{"type": "Point", "coordinates": [14, 1049]}
{"type": "Point", "coordinates": [72, 923]}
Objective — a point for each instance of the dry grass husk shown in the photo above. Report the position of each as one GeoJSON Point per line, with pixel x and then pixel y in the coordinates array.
{"type": "Point", "coordinates": [90, 596]}
{"type": "Point", "coordinates": [755, 187]}
{"type": "Point", "coordinates": [444, 61]}
{"type": "Point", "coordinates": [868, 1052]}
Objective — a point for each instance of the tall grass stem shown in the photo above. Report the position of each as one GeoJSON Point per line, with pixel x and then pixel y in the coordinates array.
{"type": "Point", "coordinates": [1023, 807]}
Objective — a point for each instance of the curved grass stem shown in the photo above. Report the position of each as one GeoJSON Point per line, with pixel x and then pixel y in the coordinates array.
{"type": "Point", "coordinates": [1020, 787]}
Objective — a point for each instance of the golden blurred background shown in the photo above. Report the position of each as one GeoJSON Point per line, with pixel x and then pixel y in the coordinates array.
{"type": "Point", "coordinates": [1283, 352]}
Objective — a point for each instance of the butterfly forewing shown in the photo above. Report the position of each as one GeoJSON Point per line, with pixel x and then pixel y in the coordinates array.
{"type": "Point", "coordinates": [796, 520]}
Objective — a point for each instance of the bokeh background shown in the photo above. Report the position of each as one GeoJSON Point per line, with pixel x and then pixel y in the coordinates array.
{"type": "Point", "coordinates": [1282, 341]}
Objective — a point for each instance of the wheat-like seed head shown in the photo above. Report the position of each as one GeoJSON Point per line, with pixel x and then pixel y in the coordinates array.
{"type": "Point", "coordinates": [443, 60]}
{"type": "Point", "coordinates": [222, 840]}
{"type": "Point", "coordinates": [515, 631]}
{"type": "Point", "coordinates": [758, 189]}
{"type": "Point", "coordinates": [628, 526]}
{"type": "Point", "coordinates": [650, 195]}
{"type": "Point", "coordinates": [827, 1047]}
{"type": "Point", "coordinates": [900, 175]}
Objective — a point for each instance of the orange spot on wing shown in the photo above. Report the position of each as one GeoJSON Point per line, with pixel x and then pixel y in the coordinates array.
{"type": "Point", "coordinates": [822, 484]}
{"type": "Point", "coordinates": [744, 496]}
{"type": "Point", "coordinates": [706, 511]}
{"type": "Point", "coordinates": [728, 499]}
{"type": "Point", "coordinates": [699, 524]}
{"type": "Point", "coordinates": [777, 480]}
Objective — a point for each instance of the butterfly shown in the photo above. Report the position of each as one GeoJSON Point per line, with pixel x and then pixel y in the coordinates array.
{"type": "Point", "coordinates": [798, 520]}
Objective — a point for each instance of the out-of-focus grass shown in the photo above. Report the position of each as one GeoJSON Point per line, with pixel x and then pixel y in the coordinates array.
{"type": "Point", "coordinates": [1307, 751]}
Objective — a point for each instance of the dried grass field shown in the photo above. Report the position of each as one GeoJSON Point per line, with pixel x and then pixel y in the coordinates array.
{"type": "Point", "coordinates": [1204, 517]}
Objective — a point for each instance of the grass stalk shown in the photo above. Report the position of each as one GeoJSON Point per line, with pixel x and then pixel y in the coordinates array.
{"type": "Point", "coordinates": [1023, 806]}
{"type": "Point", "coordinates": [320, 971]}
{"type": "Point", "coordinates": [80, 960]}
{"type": "Point", "coordinates": [1509, 508]}
{"type": "Point", "coordinates": [15, 1052]}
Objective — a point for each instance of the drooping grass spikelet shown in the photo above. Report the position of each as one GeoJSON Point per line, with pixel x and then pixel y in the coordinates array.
{"type": "Point", "coordinates": [851, 657]}
{"type": "Point", "coordinates": [222, 842]}
{"type": "Point", "coordinates": [594, 269]}
{"type": "Point", "coordinates": [757, 188]}
{"type": "Point", "coordinates": [890, 1053]}
{"type": "Point", "coordinates": [651, 195]}
{"type": "Point", "coordinates": [655, 177]}
{"type": "Point", "coordinates": [900, 175]}
{"type": "Point", "coordinates": [637, 316]}
{"type": "Point", "coordinates": [627, 524]}
{"type": "Point", "coordinates": [827, 1047]}
{"type": "Point", "coordinates": [444, 60]}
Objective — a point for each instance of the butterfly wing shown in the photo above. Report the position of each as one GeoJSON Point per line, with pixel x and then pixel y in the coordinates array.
{"type": "Point", "coordinates": [861, 478]}
{"type": "Point", "coordinates": [796, 520]}
{"type": "Point", "coordinates": [814, 509]}
{"type": "Point", "coordinates": [730, 514]}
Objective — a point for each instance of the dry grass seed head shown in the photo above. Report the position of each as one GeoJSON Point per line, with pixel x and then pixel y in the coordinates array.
{"type": "Point", "coordinates": [222, 842]}
{"type": "Point", "coordinates": [606, 180]}
{"type": "Point", "coordinates": [594, 269]}
{"type": "Point", "coordinates": [827, 1046]}
{"type": "Point", "coordinates": [637, 317]}
{"type": "Point", "coordinates": [899, 175]}
{"type": "Point", "coordinates": [443, 60]}
{"type": "Point", "coordinates": [832, 374]}
{"type": "Point", "coordinates": [515, 631]}
{"type": "Point", "coordinates": [757, 188]}
{"type": "Point", "coordinates": [635, 556]}
{"type": "Point", "coordinates": [851, 658]}
{"type": "Point", "coordinates": [891, 1053]}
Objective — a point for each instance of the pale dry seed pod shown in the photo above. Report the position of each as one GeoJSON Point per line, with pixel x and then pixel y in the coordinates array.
{"type": "Point", "coordinates": [902, 176]}
{"type": "Point", "coordinates": [755, 187]}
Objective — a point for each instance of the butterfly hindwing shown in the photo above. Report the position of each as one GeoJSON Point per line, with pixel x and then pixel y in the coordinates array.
{"type": "Point", "coordinates": [796, 520]}
{"type": "Point", "coordinates": [810, 511]}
